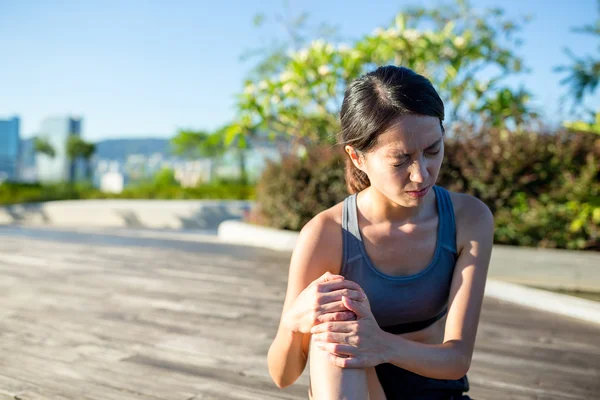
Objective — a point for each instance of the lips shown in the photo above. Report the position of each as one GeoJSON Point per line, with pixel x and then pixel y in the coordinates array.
{"type": "Point", "coordinates": [419, 193]}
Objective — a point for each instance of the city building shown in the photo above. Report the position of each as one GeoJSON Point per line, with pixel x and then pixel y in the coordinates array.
{"type": "Point", "coordinates": [58, 168]}
{"type": "Point", "coordinates": [9, 149]}
{"type": "Point", "coordinates": [192, 173]}
{"type": "Point", "coordinates": [27, 172]}
{"type": "Point", "coordinates": [108, 176]}
{"type": "Point", "coordinates": [114, 172]}
{"type": "Point", "coordinates": [112, 182]}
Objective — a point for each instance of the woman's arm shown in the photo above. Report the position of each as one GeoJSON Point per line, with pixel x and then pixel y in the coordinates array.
{"type": "Point", "coordinates": [452, 358]}
{"type": "Point", "coordinates": [318, 250]}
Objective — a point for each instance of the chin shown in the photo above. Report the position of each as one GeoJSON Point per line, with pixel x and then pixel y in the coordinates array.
{"type": "Point", "coordinates": [404, 200]}
{"type": "Point", "coordinates": [412, 202]}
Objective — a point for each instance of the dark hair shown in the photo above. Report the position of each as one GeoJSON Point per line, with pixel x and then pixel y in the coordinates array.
{"type": "Point", "coordinates": [373, 101]}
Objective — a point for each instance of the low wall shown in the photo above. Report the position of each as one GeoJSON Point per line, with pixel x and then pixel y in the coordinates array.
{"type": "Point", "coordinates": [545, 268]}
{"type": "Point", "coordinates": [238, 232]}
{"type": "Point", "coordinates": [156, 214]}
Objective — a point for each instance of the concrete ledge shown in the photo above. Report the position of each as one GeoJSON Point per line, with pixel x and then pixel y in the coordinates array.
{"type": "Point", "coordinates": [547, 268]}
{"type": "Point", "coordinates": [156, 214]}
{"type": "Point", "coordinates": [237, 232]}
{"type": "Point", "coordinates": [557, 303]}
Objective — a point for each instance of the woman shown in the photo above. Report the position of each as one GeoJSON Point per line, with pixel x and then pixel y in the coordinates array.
{"type": "Point", "coordinates": [385, 288]}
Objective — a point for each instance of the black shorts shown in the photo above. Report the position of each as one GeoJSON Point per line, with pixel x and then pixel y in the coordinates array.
{"type": "Point", "coordinates": [398, 383]}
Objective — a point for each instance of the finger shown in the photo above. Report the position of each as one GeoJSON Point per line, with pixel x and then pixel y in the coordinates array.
{"type": "Point", "coordinates": [359, 307]}
{"type": "Point", "coordinates": [337, 295]}
{"type": "Point", "coordinates": [336, 348]}
{"type": "Point", "coordinates": [334, 306]}
{"type": "Point", "coordinates": [341, 327]}
{"type": "Point", "coordinates": [330, 337]}
{"type": "Point", "coordinates": [345, 362]}
{"type": "Point", "coordinates": [337, 284]}
{"type": "Point", "coordinates": [337, 316]}
{"type": "Point", "coordinates": [328, 276]}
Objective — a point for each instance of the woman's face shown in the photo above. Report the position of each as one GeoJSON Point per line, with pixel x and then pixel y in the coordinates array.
{"type": "Point", "coordinates": [406, 159]}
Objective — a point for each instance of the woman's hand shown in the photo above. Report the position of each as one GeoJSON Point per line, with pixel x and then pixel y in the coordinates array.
{"type": "Point", "coordinates": [353, 344]}
{"type": "Point", "coordinates": [321, 301]}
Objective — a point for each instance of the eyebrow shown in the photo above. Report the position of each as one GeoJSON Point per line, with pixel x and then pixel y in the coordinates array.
{"type": "Point", "coordinates": [398, 155]}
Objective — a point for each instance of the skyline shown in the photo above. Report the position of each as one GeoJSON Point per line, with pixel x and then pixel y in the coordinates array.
{"type": "Point", "coordinates": [109, 64]}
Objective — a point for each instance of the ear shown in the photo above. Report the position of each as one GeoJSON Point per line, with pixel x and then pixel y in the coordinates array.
{"type": "Point", "coordinates": [357, 159]}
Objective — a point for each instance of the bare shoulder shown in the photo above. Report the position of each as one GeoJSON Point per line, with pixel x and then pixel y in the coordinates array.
{"type": "Point", "coordinates": [320, 241]}
{"type": "Point", "coordinates": [473, 218]}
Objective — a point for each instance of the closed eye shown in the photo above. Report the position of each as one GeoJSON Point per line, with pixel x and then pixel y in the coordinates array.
{"type": "Point", "coordinates": [401, 163]}
{"type": "Point", "coordinates": [405, 161]}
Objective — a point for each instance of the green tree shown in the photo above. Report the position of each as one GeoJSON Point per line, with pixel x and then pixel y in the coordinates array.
{"type": "Point", "coordinates": [584, 72]}
{"type": "Point", "coordinates": [582, 80]}
{"type": "Point", "coordinates": [507, 105]}
{"type": "Point", "coordinates": [164, 178]}
{"type": "Point", "coordinates": [190, 144]}
{"type": "Point", "coordinates": [41, 145]}
{"type": "Point", "coordinates": [193, 144]}
{"type": "Point", "coordinates": [198, 144]}
{"type": "Point", "coordinates": [452, 45]}
{"type": "Point", "coordinates": [239, 137]}
{"type": "Point", "coordinates": [79, 148]}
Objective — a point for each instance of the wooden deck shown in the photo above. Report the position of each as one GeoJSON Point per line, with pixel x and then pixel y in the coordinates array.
{"type": "Point", "coordinates": [100, 317]}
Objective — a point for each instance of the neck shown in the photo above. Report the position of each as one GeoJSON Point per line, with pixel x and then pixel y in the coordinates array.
{"type": "Point", "coordinates": [376, 207]}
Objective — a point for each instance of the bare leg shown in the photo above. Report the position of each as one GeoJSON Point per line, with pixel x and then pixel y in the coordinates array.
{"type": "Point", "coordinates": [329, 382]}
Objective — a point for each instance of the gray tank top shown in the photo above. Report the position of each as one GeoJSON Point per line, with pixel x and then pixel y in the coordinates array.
{"type": "Point", "coordinates": [410, 303]}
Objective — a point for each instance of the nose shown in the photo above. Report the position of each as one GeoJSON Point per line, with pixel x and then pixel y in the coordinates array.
{"type": "Point", "coordinates": [418, 171]}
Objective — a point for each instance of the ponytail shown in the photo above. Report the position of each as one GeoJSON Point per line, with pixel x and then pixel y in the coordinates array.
{"type": "Point", "coordinates": [356, 180]}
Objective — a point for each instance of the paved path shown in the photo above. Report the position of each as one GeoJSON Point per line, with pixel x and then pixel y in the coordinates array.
{"type": "Point", "coordinates": [104, 317]}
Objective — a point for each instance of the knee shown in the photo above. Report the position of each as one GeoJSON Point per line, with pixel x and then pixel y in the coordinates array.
{"type": "Point", "coordinates": [328, 381]}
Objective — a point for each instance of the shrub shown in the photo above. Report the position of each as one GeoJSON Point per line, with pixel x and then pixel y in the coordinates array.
{"type": "Point", "coordinates": [544, 189]}
{"type": "Point", "coordinates": [544, 223]}
{"type": "Point", "coordinates": [290, 193]}
{"type": "Point", "coordinates": [12, 193]}
{"type": "Point", "coordinates": [495, 166]}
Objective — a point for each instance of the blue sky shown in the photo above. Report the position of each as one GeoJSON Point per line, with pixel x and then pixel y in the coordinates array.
{"type": "Point", "coordinates": [146, 68]}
